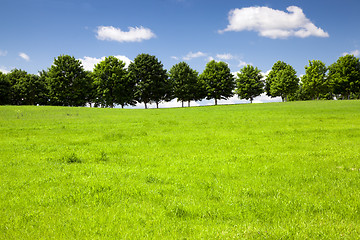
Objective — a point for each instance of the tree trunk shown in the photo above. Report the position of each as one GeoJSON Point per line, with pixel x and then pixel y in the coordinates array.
{"type": "Point", "coordinates": [215, 101]}
{"type": "Point", "coordinates": [122, 106]}
{"type": "Point", "coordinates": [157, 104]}
{"type": "Point", "coordinates": [182, 103]}
{"type": "Point", "coordinates": [188, 103]}
{"type": "Point", "coordinates": [145, 105]}
{"type": "Point", "coordinates": [251, 100]}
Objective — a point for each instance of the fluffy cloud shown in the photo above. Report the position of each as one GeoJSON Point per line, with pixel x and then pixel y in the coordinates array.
{"type": "Point", "coordinates": [24, 56]}
{"type": "Point", "coordinates": [3, 53]}
{"type": "Point", "coordinates": [264, 74]}
{"type": "Point", "coordinates": [90, 62]}
{"type": "Point", "coordinates": [273, 23]}
{"type": "Point", "coordinates": [192, 55]}
{"type": "Point", "coordinates": [4, 69]}
{"type": "Point", "coordinates": [225, 56]}
{"type": "Point", "coordinates": [135, 34]}
{"type": "Point", "coordinates": [356, 53]}
{"type": "Point", "coordinates": [243, 63]}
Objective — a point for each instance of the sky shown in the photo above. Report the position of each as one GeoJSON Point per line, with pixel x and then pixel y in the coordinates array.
{"type": "Point", "coordinates": [238, 32]}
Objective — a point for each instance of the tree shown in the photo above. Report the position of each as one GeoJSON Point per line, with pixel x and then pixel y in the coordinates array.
{"type": "Point", "coordinates": [218, 81]}
{"type": "Point", "coordinates": [112, 83]}
{"type": "Point", "coordinates": [185, 83]}
{"type": "Point", "coordinates": [45, 99]}
{"type": "Point", "coordinates": [68, 82]}
{"type": "Point", "coordinates": [315, 80]}
{"type": "Point", "coordinates": [249, 83]}
{"type": "Point", "coordinates": [281, 81]}
{"type": "Point", "coordinates": [33, 90]}
{"type": "Point", "coordinates": [345, 75]}
{"type": "Point", "coordinates": [26, 89]}
{"type": "Point", "coordinates": [151, 80]}
{"type": "Point", "coordinates": [5, 89]}
{"type": "Point", "coordinates": [91, 96]}
{"type": "Point", "coordinates": [15, 78]}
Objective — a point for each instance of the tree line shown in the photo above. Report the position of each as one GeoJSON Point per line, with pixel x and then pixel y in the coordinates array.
{"type": "Point", "coordinates": [66, 83]}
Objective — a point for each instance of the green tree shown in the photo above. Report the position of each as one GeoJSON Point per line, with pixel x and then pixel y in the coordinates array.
{"type": "Point", "coordinates": [151, 79]}
{"type": "Point", "coordinates": [249, 83]}
{"type": "Point", "coordinates": [345, 75]}
{"type": "Point", "coordinates": [112, 83]}
{"type": "Point", "coordinates": [33, 90]}
{"type": "Point", "coordinates": [26, 89]}
{"type": "Point", "coordinates": [281, 81]}
{"type": "Point", "coordinates": [315, 81]}
{"type": "Point", "coordinates": [45, 99]}
{"type": "Point", "coordinates": [68, 82]}
{"type": "Point", "coordinates": [5, 89]}
{"type": "Point", "coordinates": [270, 78]}
{"type": "Point", "coordinates": [17, 78]}
{"type": "Point", "coordinates": [91, 96]}
{"type": "Point", "coordinates": [217, 81]}
{"type": "Point", "coordinates": [185, 83]}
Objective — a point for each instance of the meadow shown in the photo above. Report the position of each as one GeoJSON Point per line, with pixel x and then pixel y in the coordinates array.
{"type": "Point", "coordinates": [252, 171]}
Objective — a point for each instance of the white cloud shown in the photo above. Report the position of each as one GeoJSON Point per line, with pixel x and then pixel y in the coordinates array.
{"type": "Point", "coordinates": [125, 59]}
{"type": "Point", "coordinates": [4, 69]}
{"type": "Point", "coordinates": [174, 57]}
{"type": "Point", "coordinates": [264, 74]}
{"type": "Point", "coordinates": [356, 53]}
{"type": "Point", "coordinates": [3, 53]}
{"type": "Point", "coordinates": [192, 55]}
{"type": "Point", "coordinates": [273, 23]}
{"type": "Point", "coordinates": [90, 62]}
{"type": "Point", "coordinates": [135, 34]}
{"type": "Point", "coordinates": [225, 56]}
{"type": "Point", "coordinates": [210, 59]}
{"type": "Point", "coordinates": [243, 63]}
{"type": "Point", "coordinates": [24, 56]}
{"type": "Point", "coordinates": [263, 98]}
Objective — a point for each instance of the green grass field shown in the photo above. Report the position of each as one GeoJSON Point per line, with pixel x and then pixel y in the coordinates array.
{"type": "Point", "coordinates": [256, 171]}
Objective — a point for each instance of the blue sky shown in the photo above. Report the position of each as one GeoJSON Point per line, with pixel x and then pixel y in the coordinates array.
{"type": "Point", "coordinates": [239, 32]}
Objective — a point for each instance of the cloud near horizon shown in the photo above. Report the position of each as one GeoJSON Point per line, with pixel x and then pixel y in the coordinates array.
{"type": "Point", "coordinates": [243, 63]}
{"type": "Point", "coordinates": [135, 34]}
{"type": "Point", "coordinates": [90, 62]}
{"type": "Point", "coordinates": [4, 69]}
{"type": "Point", "coordinates": [356, 53]}
{"type": "Point", "coordinates": [273, 23]}
{"type": "Point", "coordinates": [225, 56]}
{"type": "Point", "coordinates": [192, 55]}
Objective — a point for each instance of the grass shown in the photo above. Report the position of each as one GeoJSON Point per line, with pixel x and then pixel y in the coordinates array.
{"type": "Point", "coordinates": [255, 171]}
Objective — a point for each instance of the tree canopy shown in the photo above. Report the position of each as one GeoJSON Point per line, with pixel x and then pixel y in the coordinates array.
{"type": "Point", "coordinates": [5, 89]}
{"type": "Point", "coordinates": [68, 82]}
{"type": "Point", "coordinates": [151, 80]}
{"type": "Point", "coordinates": [249, 83]}
{"type": "Point", "coordinates": [218, 81]}
{"type": "Point", "coordinates": [281, 81]}
{"type": "Point", "coordinates": [185, 83]}
{"type": "Point", "coordinates": [345, 75]}
{"type": "Point", "coordinates": [315, 81]}
{"type": "Point", "coordinates": [112, 83]}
